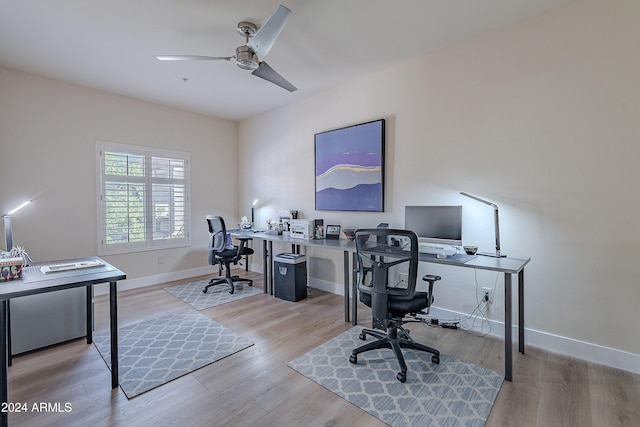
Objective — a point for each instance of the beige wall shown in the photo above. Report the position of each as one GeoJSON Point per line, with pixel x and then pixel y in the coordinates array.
{"type": "Point", "coordinates": [543, 119]}
{"type": "Point", "coordinates": [48, 132]}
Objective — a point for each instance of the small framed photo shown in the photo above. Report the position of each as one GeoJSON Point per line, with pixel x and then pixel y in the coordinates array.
{"type": "Point", "coordinates": [333, 232]}
{"type": "Point", "coordinates": [318, 226]}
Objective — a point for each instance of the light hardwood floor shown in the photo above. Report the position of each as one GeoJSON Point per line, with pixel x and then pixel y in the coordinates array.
{"type": "Point", "coordinates": [255, 387]}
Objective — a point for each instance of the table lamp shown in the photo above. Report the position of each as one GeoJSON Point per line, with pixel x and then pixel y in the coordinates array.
{"type": "Point", "coordinates": [497, 254]}
{"type": "Point", "coordinates": [8, 238]}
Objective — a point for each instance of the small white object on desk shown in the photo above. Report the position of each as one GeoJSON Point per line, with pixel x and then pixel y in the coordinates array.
{"type": "Point", "coordinates": [436, 249]}
{"type": "Point", "coordinates": [56, 268]}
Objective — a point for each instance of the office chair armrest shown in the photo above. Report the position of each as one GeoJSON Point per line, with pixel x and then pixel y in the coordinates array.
{"type": "Point", "coordinates": [431, 278]}
{"type": "Point", "coordinates": [243, 241]}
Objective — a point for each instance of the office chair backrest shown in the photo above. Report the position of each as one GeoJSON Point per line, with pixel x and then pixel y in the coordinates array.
{"type": "Point", "coordinates": [217, 234]}
{"type": "Point", "coordinates": [387, 266]}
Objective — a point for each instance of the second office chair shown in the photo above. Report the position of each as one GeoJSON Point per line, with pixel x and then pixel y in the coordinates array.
{"type": "Point", "coordinates": [222, 252]}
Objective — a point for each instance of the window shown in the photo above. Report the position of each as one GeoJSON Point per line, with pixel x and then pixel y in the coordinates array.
{"type": "Point", "coordinates": [143, 198]}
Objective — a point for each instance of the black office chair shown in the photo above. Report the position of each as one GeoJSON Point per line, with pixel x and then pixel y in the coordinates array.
{"type": "Point", "coordinates": [223, 253]}
{"type": "Point", "coordinates": [391, 258]}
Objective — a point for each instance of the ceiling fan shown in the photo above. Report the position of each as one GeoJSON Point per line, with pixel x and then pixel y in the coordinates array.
{"type": "Point", "coordinates": [249, 55]}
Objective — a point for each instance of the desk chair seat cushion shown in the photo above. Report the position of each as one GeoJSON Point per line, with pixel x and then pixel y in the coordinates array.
{"type": "Point", "coordinates": [246, 251]}
{"type": "Point", "coordinates": [232, 253]}
{"type": "Point", "coordinates": [401, 305]}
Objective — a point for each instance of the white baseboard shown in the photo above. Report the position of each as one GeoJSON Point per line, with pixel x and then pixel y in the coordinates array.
{"type": "Point", "coordinates": [141, 282]}
{"type": "Point", "coordinates": [550, 342]}
{"type": "Point", "coordinates": [324, 285]}
{"type": "Point", "coordinates": [555, 343]}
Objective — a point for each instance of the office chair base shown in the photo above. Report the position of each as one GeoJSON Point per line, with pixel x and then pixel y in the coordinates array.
{"type": "Point", "coordinates": [229, 280]}
{"type": "Point", "coordinates": [395, 342]}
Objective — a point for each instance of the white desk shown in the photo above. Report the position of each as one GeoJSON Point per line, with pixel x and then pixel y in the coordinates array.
{"type": "Point", "coordinates": [35, 282]}
{"type": "Point", "coordinates": [507, 266]}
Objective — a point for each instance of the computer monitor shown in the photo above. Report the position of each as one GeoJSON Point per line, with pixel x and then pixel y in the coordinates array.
{"type": "Point", "coordinates": [435, 224]}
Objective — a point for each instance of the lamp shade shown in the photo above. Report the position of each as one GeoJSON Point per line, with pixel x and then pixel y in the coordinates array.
{"type": "Point", "coordinates": [8, 235]}
{"type": "Point", "coordinates": [497, 254]}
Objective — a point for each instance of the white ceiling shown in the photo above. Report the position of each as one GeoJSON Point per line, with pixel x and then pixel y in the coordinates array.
{"type": "Point", "coordinates": [111, 44]}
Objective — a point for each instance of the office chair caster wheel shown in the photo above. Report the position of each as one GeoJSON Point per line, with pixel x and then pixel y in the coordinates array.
{"type": "Point", "coordinates": [353, 359]}
{"type": "Point", "coordinates": [402, 377]}
{"type": "Point", "coordinates": [435, 359]}
{"type": "Point", "coordinates": [363, 336]}
{"type": "Point", "coordinates": [204, 291]}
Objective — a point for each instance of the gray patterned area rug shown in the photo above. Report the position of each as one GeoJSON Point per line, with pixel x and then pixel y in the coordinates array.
{"type": "Point", "coordinates": [192, 294]}
{"type": "Point", "coordinates": [157, 351]}
{"type": "Point", "coordinates": [453, 393]}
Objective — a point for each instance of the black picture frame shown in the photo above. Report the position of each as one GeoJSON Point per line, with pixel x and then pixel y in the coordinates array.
{"type": "Point", "coordinates": [332, 232]}
{"type": "Point", "coordinates": [318, 227]}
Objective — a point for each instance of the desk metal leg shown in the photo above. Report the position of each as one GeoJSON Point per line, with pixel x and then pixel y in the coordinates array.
{"type": "Point", "coordinates": [508, 362]}
{"type": "Point", "coordinates": [4, 361]}
{"type": "Point", "coordinates": [345, 256]}
{"type": "Point", "coordinates": [521, 311]}
{"type": "Point", "coordinates": [113, 309]}
{"type": "Point", "coordinates": [89, 297]}
{"type": "Point", "coordinates": [270, 267]}
{"type": "Point", "coordinates": [9, 350]}
{"type": "Point", "coordinates": [265, 275]}
{"type": "Point", "coordinates": [354, 289]}
{"type": "Point", "coordinates": [246, 259]}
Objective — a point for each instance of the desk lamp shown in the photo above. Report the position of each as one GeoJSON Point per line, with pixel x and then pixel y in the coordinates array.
{"type": "Point", "coordinates": [498, 254]}
{"type": "Point", "coordinates": [255, 202]}
{"type": "Point", "coordinates": [8, 238]}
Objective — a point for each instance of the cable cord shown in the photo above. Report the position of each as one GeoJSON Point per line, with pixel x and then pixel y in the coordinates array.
{"type": "Point", "coordinates": [479, 313]}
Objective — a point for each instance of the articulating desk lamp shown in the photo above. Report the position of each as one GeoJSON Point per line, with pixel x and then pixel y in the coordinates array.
{"type": "Point", "coordinates": [498, 254]}
{"type": "Point", "coordinates": [8, 238]}
{"type": "Point", "coordinates": [255, 202]}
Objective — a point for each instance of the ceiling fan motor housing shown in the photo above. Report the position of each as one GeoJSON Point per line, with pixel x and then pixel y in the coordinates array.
{"type": "Point", "coordinates": [246, 58]}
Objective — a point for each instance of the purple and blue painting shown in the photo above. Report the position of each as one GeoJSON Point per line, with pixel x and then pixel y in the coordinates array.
{"type": "Point", "coordinates": [350, 168]}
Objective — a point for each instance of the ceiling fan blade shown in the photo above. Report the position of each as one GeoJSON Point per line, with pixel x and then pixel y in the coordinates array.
{"type": "Point", "coordinates": [191, 58]}
{"type": "Point", "coordinates": [264, 71]}
{"type": "Point", "coordinates": [262, 42]}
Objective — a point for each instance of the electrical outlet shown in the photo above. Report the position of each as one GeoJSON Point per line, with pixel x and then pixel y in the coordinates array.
{"type": "Point", "coordinates": [161, 259]}
{"type": "Point", "coordinates": [486, 295]}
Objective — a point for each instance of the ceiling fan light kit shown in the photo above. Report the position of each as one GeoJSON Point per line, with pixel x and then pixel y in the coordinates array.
{"type": "Point", "coordinates": [258, 44]}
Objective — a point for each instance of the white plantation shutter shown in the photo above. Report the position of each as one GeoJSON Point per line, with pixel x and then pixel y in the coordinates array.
{"type": "Point", "coordinates": [144, 198]}
{"type": "Point", "coordinates": [168, 198]}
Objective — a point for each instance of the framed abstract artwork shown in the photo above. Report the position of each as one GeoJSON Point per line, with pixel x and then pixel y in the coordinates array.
{"type": "Point", "coordinates": [349, 167]}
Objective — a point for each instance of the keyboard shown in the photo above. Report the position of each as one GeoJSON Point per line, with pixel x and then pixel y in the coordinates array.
{"type": "Point", "coordinates": [434, 249]}
{"type": "Point", "coordinates": [56, 268]}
